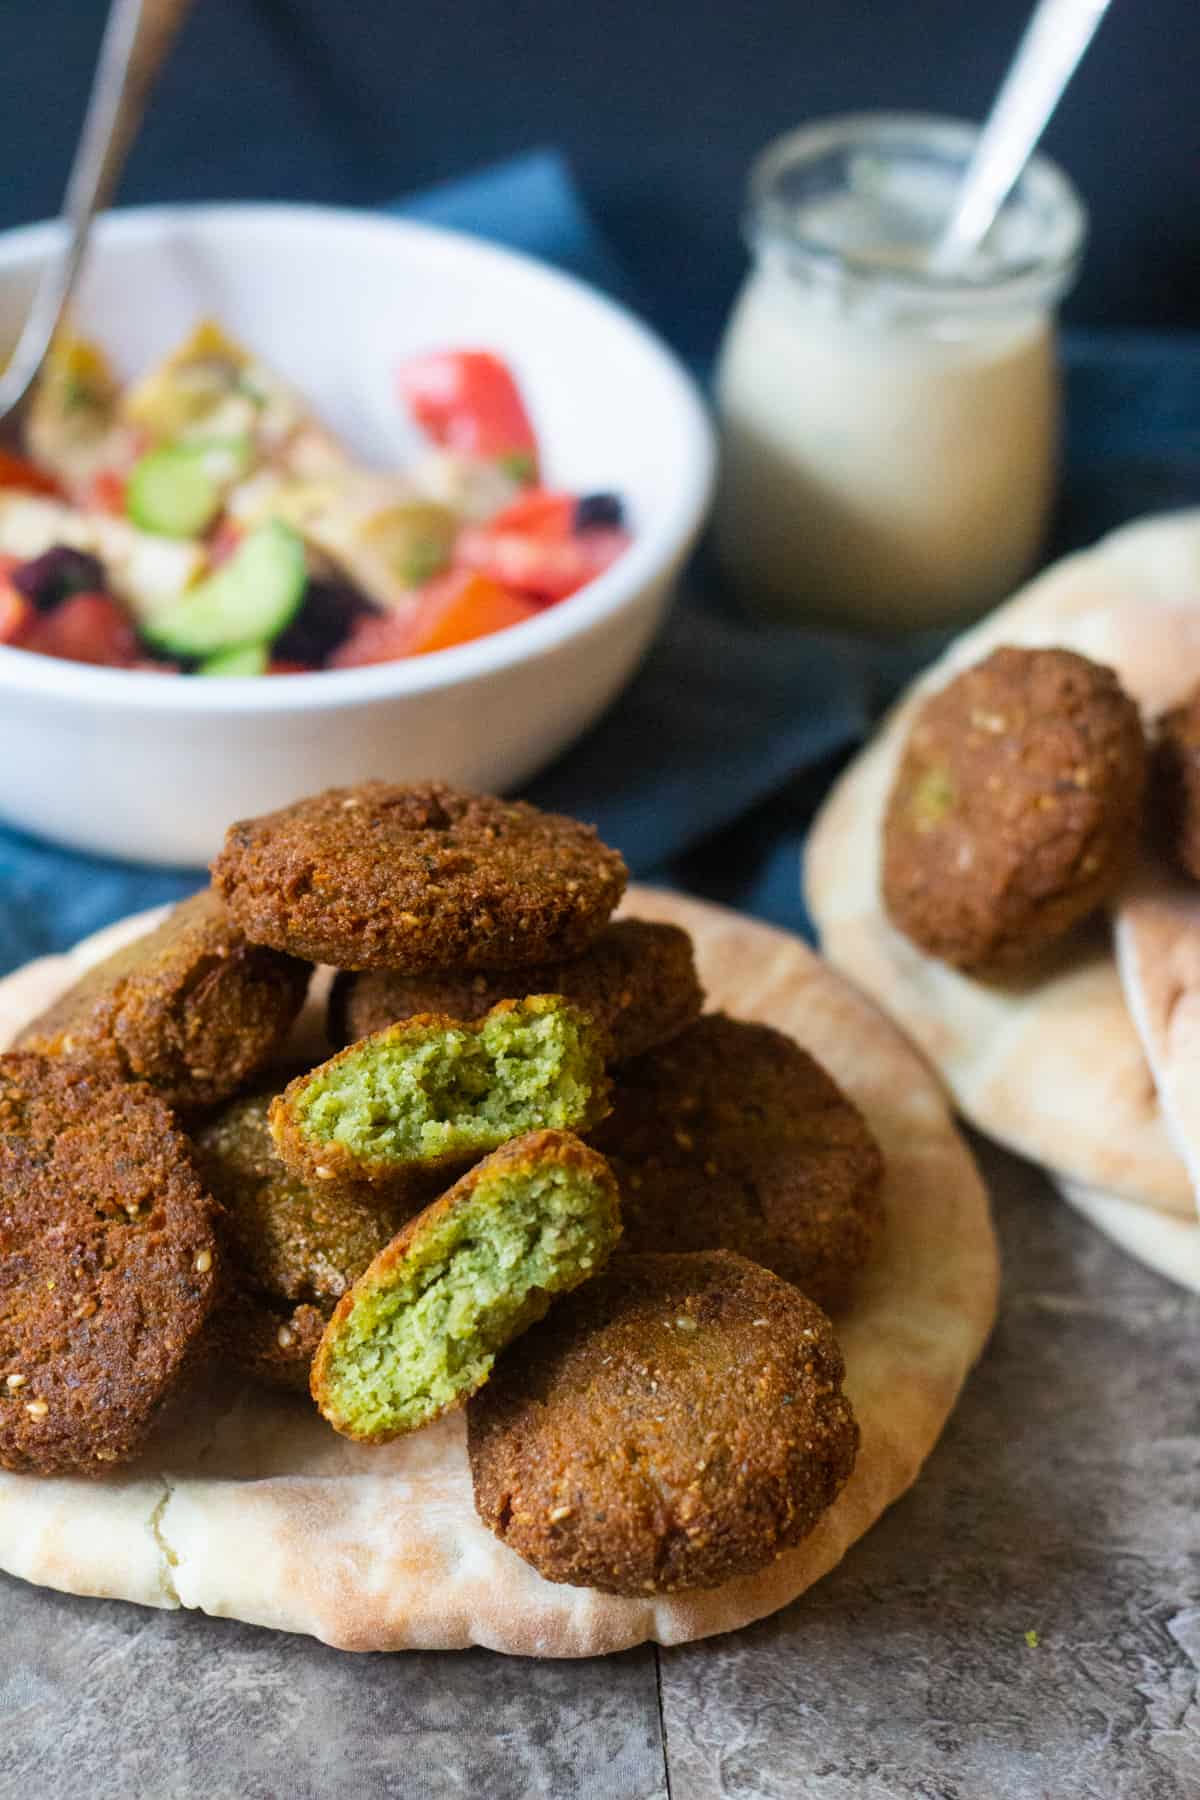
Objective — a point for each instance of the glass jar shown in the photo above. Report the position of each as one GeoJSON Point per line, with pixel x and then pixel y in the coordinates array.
{"type": "Point", "coordinates": [890, 433]}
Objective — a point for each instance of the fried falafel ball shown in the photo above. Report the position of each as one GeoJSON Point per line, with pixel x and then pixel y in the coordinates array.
{"type": "Point", "coordinates": [420, 1330]}
{"type": "Point", "coordinates": [731, 1137]}
{"type": "Point", "coordinates": [1016, 809]}
{"type": "Point", "coordinates": [638, 981]}
{"type": "Point", "coordinates": [109, 1265]}
{"type": "Point", "coordinates": [419, 878]}
{"type": "Point", "coordinates": [192, 1009]}
{"type": "Point", "coordinates": [270, 1343]}
{"type": "Point", "coordinates": [292, 1249]}
{"type": "Point", "coordinates": [678, 1423]}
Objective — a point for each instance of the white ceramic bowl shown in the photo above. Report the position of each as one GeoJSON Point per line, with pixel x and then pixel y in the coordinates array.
{"type": "Point", "coordinates": [153, 767]}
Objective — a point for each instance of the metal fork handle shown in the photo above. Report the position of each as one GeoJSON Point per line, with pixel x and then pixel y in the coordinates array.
{"type": "Point", "coordinates": [137, 39]}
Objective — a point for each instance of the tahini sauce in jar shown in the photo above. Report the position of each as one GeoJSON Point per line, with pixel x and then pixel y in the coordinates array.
{"type": "Point", "coordinates": [889, 434]}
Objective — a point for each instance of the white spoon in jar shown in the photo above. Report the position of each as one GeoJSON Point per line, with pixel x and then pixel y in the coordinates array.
{"type": "Point", "coordinates": [1055, 39]}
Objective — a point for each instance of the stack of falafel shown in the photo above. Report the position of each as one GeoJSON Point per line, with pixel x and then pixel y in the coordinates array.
{"type": "Point", "coordinates": [526, 1101]}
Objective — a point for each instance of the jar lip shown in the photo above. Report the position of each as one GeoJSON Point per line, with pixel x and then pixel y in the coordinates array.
{"type": "Point", "coordinates": [773, 223]}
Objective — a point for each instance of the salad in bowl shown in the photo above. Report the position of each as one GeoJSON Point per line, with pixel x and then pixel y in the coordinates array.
{"type": "Point", "coordinates": [203, 521]}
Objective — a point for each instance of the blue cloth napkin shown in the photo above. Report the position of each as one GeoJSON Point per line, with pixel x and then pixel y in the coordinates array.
{"type": "Point", "coordinates": [707, 770]}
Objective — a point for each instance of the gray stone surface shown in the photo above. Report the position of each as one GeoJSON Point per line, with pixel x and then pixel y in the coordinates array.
{"type": "Point", "coordinates": [101, 1701]}
{"type": "Point", "coordinates": [1063, 1500]}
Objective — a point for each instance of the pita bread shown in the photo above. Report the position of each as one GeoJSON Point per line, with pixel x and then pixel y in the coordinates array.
{"type": "Point", "coordinates": [1054, 1067]}
{"type": "Point", "coordinates": [1170, 1247]}
{"type": "Point", "coordinates": [249, 1507]}
{"type": "Point", "coordinates": [1156, 936]}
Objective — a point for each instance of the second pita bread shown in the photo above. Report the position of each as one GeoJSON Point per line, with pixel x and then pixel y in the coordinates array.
{"type": "Point", "coordinates": [1170, 1247]}
{"type": "Point", "coordinates": [1156, 935]}
{"type": "Point", "coordinates": [1053, 1067]}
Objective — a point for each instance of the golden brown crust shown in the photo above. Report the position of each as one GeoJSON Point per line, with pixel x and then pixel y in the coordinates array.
{"type": "Point", "coordinates": [678, 1423]}
{"type": "Point", "coordinates": [292, 1251]}
{"type": "Point", "coordinates": [108, 1264]}
{"type": "Point", "coordinates": [291, 1241]}
{"type": "Point", "coordinates": [536, 1149]}
{"type": "Point", "coordinates": [638, 981]}
{"type": "Point", "coordinates": [273, 1345]}
{"type": "Point", "coordinates": [731, 1137]}
{"type": "Point", "coordinates": [192, 1008]}
{"type": "Point", "coordinates": [1177, 782]}
{"type": "Point", "coordinates": [1016, 809]}
{"type": "Point", "coordinates": [418, 878]}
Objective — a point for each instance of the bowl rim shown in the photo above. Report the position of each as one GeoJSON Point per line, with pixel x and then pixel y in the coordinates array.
{"type": "Point", "coordinates": [656, 550]}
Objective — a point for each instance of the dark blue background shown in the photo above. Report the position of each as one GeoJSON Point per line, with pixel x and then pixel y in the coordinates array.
{"type": "Point", "coordinates": [660, 104]}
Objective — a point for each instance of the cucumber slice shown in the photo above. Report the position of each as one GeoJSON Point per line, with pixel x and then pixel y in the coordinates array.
{"type": "Point", "coordinates": [247, 659]}
{"type": "Point", "coordinates": [172, 493]}
{"type": "Point", "coordinates": [249, 600]}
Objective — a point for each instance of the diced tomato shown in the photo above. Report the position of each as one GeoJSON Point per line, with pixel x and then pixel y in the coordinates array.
{"type": "Point", "coordinates": [280, 666]}
{"type": "Point", "coordinates": [461, 606]}
{"type": "Point", "coordinates": [19, 472]}
{"type": "Point", "coordinates": [540, 513]}
{"type": "Point", "coordinates": [548, 568]}
{"type": "Point", "coordinates": [452, 609]}
{"type": "Point", "coordinates": [15, 612]}
{"type": "Point", "coordinates": [467, 400]}
{"type": "Point", "coordinates": [226, 537]}
{"type": "Point", "coordinates": [374, 638]}
{"type": "Point", "coordinates": [106, 493]}
{"type": "Point", "coordinates": [89, 628]}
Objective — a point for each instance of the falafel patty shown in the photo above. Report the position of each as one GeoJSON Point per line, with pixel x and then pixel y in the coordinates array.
{"type": "Point", "coordinates": [1177, 768]}
{"type": "Point", "coordinates": [638, 981]}
{"type": "Point", "coordinates": [108, 1264]}
{"type": "Point", "coordinates": [680, 1423]}
{"type": "Point", "coordinates": [418, 878]}
{"type": "Point", "coordinates": [292, 1250]}
{"type": "Point", "coordinates": [429, 1094]}
{"type": "Point", "coordinates": [420, 1330]}
{"type": "Point", "coordinates": [273, 1344]}
{"type": "Point", "coordinates": [192, 1008]}
{"type": "Point", "coordinates": [1016, 809]}
{"type": "Point", "coordinates": [731, 1137]}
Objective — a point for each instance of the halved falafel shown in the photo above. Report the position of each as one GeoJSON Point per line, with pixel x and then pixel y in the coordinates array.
{"type": "Point", "coordinates": [679, 1423]}
{"type": "Point", "coordinates": [731, 1137]}
{"type": "Point", "coordinates": [1016, 809]}
{"type": "Point", "coordinates": [418, 878]}
{"type": "Point", "coordinates": [192, 1009]}
{"type": "Point", "coordinates": [419, 1331]}
{"type": "Point", "coordinates": [638, 981]}
{"type": "Point", "coordinates": [428, 1095]}
{"type": "Point", "coordinates": [108, 1264]}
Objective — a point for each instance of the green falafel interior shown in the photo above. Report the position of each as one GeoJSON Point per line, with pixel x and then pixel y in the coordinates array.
{"type": "Point", "coordinates": [430, 1089]}
{"type": "Point", "coordinates": [420, 1330]}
